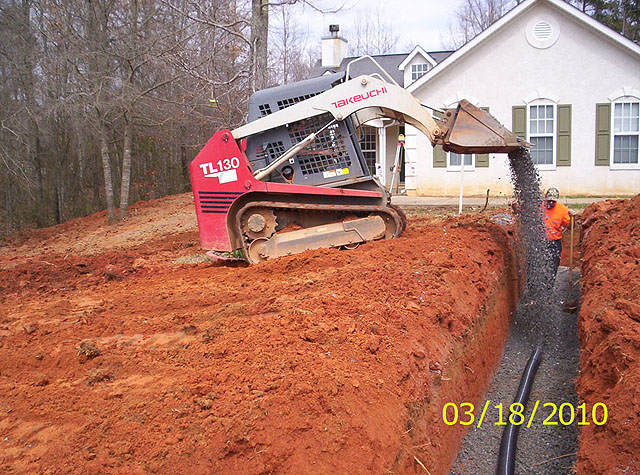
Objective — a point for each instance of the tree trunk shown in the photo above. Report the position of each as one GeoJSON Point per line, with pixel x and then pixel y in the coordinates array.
{"type": "Point", "coordinates": [259, 38]}
{"type": "Point", "coordinates": [59, 211]}
{"type": "Point", "coordinates": [126, 170]}
{"type": "Point", "coordinates": [8, 206]}
{"type": "Point", "coordinates": [80, 154]}
{"type": "Point", "coordinates": [125, 182]}
{"type": "Point", "coordinates": [29, 85]}
{"type": "Point", "coordinates": [41, 205]}
{"type": "Point", "coordinates": [106, 169]}
{"type": "Point", "coordinates": [184, 161]}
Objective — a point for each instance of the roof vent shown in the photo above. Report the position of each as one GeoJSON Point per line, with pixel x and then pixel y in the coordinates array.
{"type": "Point", "coordinates": [542, 30]}
{"type": "Point", "coordinates": [542, 33]}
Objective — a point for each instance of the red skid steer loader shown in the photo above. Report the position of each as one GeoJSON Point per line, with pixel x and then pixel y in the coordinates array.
{"type": "Point", "coordinates": [294, 177]}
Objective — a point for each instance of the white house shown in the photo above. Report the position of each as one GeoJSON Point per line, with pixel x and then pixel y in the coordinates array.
{"type": "Point", "coordinates": [555, 76]}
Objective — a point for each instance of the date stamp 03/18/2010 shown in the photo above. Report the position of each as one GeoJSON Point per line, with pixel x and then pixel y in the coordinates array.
{"type": "Point", "coordinates": [551, 414]}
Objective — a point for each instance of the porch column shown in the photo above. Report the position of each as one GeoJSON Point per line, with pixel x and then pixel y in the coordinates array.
{"type": "Point", "coordinates": [411, 157]}
{"type": "Point", "coordinates": [381, 163]}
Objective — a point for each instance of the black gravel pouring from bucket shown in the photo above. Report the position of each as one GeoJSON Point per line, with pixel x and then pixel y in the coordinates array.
{"type": "Point", "coordinates": [531, 247]}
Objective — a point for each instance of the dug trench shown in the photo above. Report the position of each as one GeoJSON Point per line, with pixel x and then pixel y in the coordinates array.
{"type": "Point", "coordinates": [546, 445]}
{"type": "Point", "coordinates": [117, 356]}
{"type": "Point", "coordinates": [605, 396]}
{"type": "Point", "coordinates": [542, 326]}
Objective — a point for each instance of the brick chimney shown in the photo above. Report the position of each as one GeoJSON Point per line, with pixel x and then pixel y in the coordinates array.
{"type": "Point", "coordinates": [334, 48]}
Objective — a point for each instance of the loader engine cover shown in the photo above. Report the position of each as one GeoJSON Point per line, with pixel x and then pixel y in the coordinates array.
{"type": "Point", "coordinates": [333, 158]}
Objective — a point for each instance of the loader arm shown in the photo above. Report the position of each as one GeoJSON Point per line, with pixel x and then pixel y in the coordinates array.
{"type": "Point", "coordinates": [465, 129]}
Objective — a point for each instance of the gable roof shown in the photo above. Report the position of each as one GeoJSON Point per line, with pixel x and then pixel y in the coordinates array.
{"type": "Point", "coordinates": [390, 62]}
{"type": "Point", "coordinates": [563, 6]}
{"type": "Point", "coordinates": [417, 50]}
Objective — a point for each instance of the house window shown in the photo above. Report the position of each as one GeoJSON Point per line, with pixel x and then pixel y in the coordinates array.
{"type": "Point", "coordinates": [368, 145]}
{"type": "Point", "coordinates": [542, 135]}
{"type": "Point", "coordinates": [626, 129]}
{"type": "Point", "coordinates": [418, 70]}
{"type": "Point", "coordinates": [455, 161]}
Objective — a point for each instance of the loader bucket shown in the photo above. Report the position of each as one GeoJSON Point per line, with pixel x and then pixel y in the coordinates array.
{"type": "Point", "coordinates": [472, 130]}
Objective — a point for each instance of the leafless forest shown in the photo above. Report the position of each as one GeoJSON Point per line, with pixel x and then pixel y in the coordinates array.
{"type": "Point", "coordinates": [104, 102]}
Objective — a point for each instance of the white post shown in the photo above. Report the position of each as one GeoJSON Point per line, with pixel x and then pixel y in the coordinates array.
{"type": "Point", "coordinates": [461, 183]}
{"type": "Point", "coordinates": [396, 166]}
{"type": "Point", "coordinates": [382, 156]}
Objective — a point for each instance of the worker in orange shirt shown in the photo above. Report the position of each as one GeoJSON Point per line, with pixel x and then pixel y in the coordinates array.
{"type": "Point", "coordinates": [556, 216]}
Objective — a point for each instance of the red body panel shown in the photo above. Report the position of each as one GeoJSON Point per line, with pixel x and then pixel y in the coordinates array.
{"type": "Point", "coordinates": [220, 174]}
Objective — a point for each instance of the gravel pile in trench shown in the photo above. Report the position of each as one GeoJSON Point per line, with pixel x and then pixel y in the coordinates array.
{"type": "Point", "coordinates": [554, 383]}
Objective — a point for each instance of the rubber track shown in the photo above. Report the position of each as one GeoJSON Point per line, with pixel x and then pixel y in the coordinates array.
{"type": "Point", "coordinates": [390, 211]}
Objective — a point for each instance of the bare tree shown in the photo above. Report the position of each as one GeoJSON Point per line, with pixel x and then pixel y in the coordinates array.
{"type": "Point", "coordinates": [289, 60]}
{"type": "Point", "coordinates": [21, 114]}
{"type": "Point", "coordinates": [259, 42]}
{"type": "Point", "coordinates": [473, 17]}
{"type": "Point", "coordinates": [67, 102]}
{"type": "Point", "coordinates": [372, 33]}
{"type": "Point", "coordinates": [95, 18]}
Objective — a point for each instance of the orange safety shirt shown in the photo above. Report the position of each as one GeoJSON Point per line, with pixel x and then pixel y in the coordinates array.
{"type": "Point", "coordinates": [554, 219]}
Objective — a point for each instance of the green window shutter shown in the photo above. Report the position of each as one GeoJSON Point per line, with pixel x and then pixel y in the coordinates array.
{"type": "Point", "coordinates": [563, 158]}
{"type": "Point", "coordinates": [603, 134]}
{"type": "Point", "coordinates": [439, 155]}
{"type": "Point", "coordinates": [519, 121]}
{"type": "Point", "coordinates": [482, 159]}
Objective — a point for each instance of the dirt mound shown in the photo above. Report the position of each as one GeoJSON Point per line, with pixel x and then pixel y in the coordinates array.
{"type": "Point", "coordinates": [148, 221]}
{"type": "Point", "coordinates": [50, 270]}
{"type": "Point", "coordinates": [610, 336]}
{"type": "Point", "coordinates": [115, 357]}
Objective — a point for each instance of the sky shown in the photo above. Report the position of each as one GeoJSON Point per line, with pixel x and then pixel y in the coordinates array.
{"type": "Point", "coordinates": [417, 22]}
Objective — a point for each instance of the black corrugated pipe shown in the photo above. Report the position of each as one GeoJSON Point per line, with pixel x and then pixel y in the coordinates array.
{"type": "Point", "coordinates": [509, 442]}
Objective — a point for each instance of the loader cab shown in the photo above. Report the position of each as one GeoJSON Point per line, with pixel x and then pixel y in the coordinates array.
{"type": "Point", "coordinates": [334, 159]}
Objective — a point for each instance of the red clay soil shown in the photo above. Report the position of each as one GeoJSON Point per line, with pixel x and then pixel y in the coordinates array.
{"type": "Point", "coordinates": [609, 326]}
{"type": "Point", "coordinates": [118, 355]}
